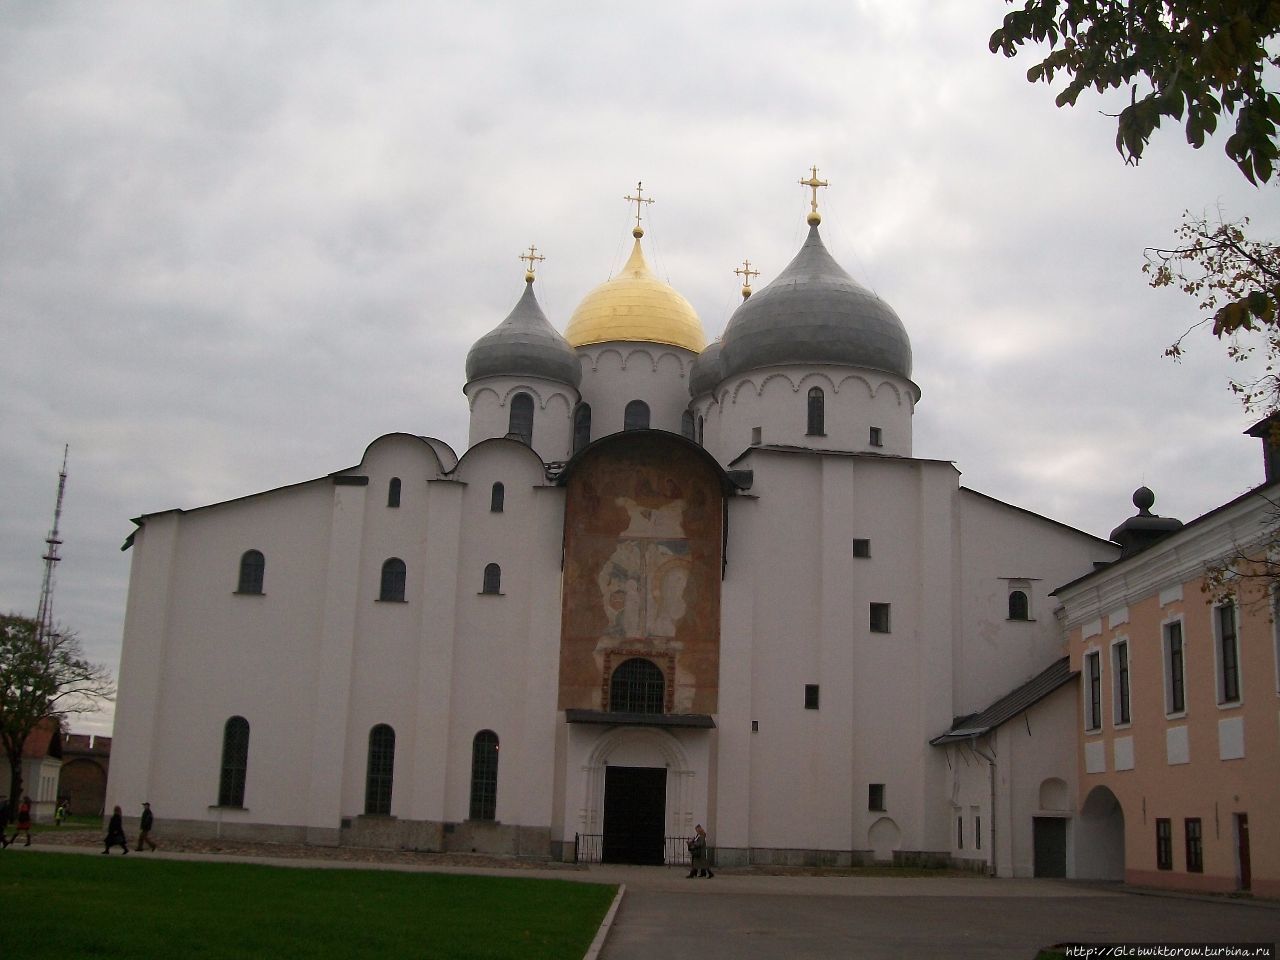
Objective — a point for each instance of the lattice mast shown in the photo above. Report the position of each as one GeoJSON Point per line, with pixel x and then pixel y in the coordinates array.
{"type": "Point", "coordinates": [44, 614]}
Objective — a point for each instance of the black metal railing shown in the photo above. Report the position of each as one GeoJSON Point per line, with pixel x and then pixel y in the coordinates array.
{"type": "Point", "coordinates": [589, 848]}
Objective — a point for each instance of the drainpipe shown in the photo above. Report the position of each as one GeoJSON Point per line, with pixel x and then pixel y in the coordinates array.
{"type": "Point", "coordinates": [991, 775]}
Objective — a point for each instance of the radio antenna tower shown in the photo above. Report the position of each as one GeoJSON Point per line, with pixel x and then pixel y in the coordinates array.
{"type": "Point", "coordinates": [44, 615]}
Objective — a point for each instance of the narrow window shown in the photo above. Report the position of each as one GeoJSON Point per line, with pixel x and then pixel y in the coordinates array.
{"type": "Point", "coordinates": [235, 762]}
{"type": "Point", "coordinates": [378, 773]}
{"type": "Point", "coordinates": [636, 416]}
{"type": "Point", "coordinates": [1174, 678]}
{"type": "Point", "coordinates": [496, 497]}
{"type": "Point", "coordinates": [977, 832]}
{"type": "Point", "coordinates": [393, 492]}
{"type": "Point", "coordinates": [393, 579]}
{"type": "Point", "coordinates": [687, 428]}
{"type": "Point", "coordinates": [756, 439]}
{"type": "Point", "coordinates": [1093, 707]}
{"type": "Point", "coordinates": [1195, 846]}
{"type": "Point", "coordinates": [1228, 655]}
{"type": "Point", "coordinates": [879, 618]}
{"type": "Point", "coordinates": [1019, 608]}
{"type": "Point", "coordinates": [875, 796]}
{"type": "Point", "coordinates": [960, 832]}
{"type": "Point", "coordinates": [877, 437]}
{"type": "Point", "coordinates": [811, 696]}
{"type": "Point", "coordinates": [253, 566]}
{"type": "Point", "coordinates": [520, 424]}
{"type": "Point", "coordinates": [581, 426]}
{"type": "Point", "coordinates": [484, 775]}
{"type": "Point", "coordinates": [1120, 666]}
{"type": "Point", "coordinates": [702, 431]}
{"type": "Point", "coordinates": [861, 548]}
{"type": "Point", "coordinates": [817, 413]}
{"type": "Point", "coordinates": [637, 686]}
{"type": "Point", "coordinates": [492, 579]}
{"type": "Point", "coordinates": [1164, 844]}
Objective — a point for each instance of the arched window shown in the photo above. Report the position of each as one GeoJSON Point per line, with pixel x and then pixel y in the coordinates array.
{"type": "Point", "coordinates": [492, 579]}
{"type": "Point", "coordinates": [520, 425]}
{"type": "Point", "coordinates": [817, 413]}
{"type": "Point", "coordinates": [687, 428]}
{"type": "Point", "coordinates": [253, 565]}
{"type": "Point", "coordinates": [484, 775]}
{"type": "Point", "coordinates": [235, 762]}
{"type": "Point", "coordinates": [637, 686]}
{"type": "Point", "coordinates": [393, 492]}
{"type": "Point", "coordinates": [1019, 608]}
{"type": "Point", "coordinates": [378, 773]}
{"type": "Point", "coordinates": [581, 426]}
{"type": "Point", "coordinates": [496, 497]}
{"type": "Point", "coordinates": [393, 577]}
{"type": "Point", "coordinates": [701, 430]}
{"type": "Point", "coordinates": [636, 416]}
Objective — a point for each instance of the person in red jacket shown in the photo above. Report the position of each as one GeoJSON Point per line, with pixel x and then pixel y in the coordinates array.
{"type": "Point", "coordinates": [24, 821]}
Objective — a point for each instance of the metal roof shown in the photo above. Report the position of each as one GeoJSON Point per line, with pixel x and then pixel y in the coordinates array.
{"type": "Point", "coordinates": [1008, 706]}
{"type": "Point", "coordinates": [524, 344]}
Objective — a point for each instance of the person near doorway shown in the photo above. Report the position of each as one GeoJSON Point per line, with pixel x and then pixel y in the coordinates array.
{"type": "Point", "coordinates": [144, 829]}
{"type": "Point", "coordinates": [698, 853]}
{"type": "Point", "coordinates": [115, 833]}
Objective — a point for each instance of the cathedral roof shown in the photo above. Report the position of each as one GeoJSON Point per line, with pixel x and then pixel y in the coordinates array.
{"type": "Point", "coordinates": [524, 344]}
{"type": "Point", "coordinates": [706, 371]}
{"type": "Point", "coordinates": [814, 312]}
{"type": "Point", "coordinates": [636, 305]}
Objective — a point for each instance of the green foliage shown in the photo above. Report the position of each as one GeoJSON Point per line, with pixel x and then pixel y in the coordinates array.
{"type": "Point", "coordinates": [1235, 282]}
{"type": "Point", "coordinates": [137, 908]}
{"type": "Point", "coordinates": [1192, 61]}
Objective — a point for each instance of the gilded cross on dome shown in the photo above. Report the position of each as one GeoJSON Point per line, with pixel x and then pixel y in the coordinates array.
{"type": "Point", "coordinates": [813, 183]}
{"type": "Point", "coordinates": [746, 273]}
{"type": "Point", "coordinates": [638, 231]}
{"type": "Point", "coordinates": [532, 257]}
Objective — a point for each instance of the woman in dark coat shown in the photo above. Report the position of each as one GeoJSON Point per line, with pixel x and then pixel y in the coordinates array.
{"type": "Point", "coordinates": [115, 833]}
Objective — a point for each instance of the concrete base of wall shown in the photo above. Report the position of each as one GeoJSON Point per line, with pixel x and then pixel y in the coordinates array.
{"type": "Point", "coordinates": [789, 857]}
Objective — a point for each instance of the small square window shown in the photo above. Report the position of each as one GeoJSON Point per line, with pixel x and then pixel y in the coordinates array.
{"type": "Point", "coordinates": [879, 618]}
{"type": "Point", "coordinates": [877, 437]}
{"type": "Point", "coordinates": [811, 696]}
{"type": "Point", "coordinates": [875, 796]}
{"type": "Point", "coordinates": [861, 548]}
{"type": "Point", "coordinates": [755, 436]}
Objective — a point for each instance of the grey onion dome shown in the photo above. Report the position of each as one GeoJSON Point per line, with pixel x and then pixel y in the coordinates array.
{"type": "Point", "coordinates": [814, 312]}
{"type": "Point", "coordinates": [524, 344]}
{"type": "Point", "coordinates": [706, 371]}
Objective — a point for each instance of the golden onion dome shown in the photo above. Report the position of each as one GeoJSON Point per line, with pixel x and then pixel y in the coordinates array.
{"type": "Point", "coordinates": [636, 305]}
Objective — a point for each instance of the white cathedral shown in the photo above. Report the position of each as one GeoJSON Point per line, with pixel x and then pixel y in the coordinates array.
{"type": "Point", "coordinates": [667, 583]}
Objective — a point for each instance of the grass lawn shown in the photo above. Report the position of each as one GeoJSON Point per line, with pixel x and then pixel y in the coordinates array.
{"type": "Point", "coordinates": [65, 906]}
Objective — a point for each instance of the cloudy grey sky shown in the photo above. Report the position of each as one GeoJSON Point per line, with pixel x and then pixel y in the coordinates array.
{"type": "Point", "coordinates": [238, 241]}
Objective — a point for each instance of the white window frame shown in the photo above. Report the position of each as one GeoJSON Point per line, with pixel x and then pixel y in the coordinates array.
{"type": "Point", "coordinates": [1169, 712]}
{"type": "Point", "coordinates": [1118, 677]}
{"type": "Point", "coordinates": [1219, 678]}
{"type": "Point", "coordinates": [1092, 655]}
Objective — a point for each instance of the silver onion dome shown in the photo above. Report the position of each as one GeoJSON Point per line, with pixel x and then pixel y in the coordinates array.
{"type": "Point", "coordinates": [524, 344]}
{"type": "Point", "coordinates": [706, 371]}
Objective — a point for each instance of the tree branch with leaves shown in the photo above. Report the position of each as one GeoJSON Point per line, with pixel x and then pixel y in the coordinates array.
{"type": "Point", "coordinates": [42, 677]}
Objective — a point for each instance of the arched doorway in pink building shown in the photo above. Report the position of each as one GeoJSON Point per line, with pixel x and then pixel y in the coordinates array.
{"type": "Point", "coordinates": [1099, 837]}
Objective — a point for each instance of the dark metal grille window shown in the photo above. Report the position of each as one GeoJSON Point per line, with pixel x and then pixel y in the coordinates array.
{"type": "Point", "coordinates": [393, 492]}
{"type": "Point", "coordinates": [253, 566]}
{"type": "Point", "coordinates": [492, 579]}
{"type": "Point", "coordinates": [875, 796]}
{"type": "Point", "coordinates": [1093, 719]}
{"type": "Point", "coordinates": [811, 696]}
{"type": "Point", "coordinates": [1164, 844]}
{"type": "Point", "coordinates": [581, 426]}
{"type": "Point", "coordinates": [861, 548]}
{"type": "Point", "coordinates": [817, 412]}
{"type": "Point", "coordinates": [520, 424]}
{"type": "Point", "coordinates": [637, 686]}
{"type": "Point", "coordinates": [879, 618]}
{"type": "Point", "coordinates": [235, 762]}
{"type": "Point", "coordinates": [1019, 607]}
{"type": "Point", "coordinates": [636, 416]}
{"type": "Point", "coordinates": [484, 775]}
{"type": "Point", "coordinates": [379, 773]}
{"type": "Point", "coordinates": [1195, 846]}
{"type": "Point", "coordinates": [496, 498]}
{"type": "Point", "coordinates": [1122, 682]}
{"type": "Point", "coordinates": [687, 428]}
{"type": "Point", "coordinates": [1229, 655]}
{"type": "Point", "coordinates": [1177, 683]}
{"type": "Point", "coordinates": [393, 578]}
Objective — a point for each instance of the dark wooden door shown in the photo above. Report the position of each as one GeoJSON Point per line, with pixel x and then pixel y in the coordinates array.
{"type": "Point", "coordinates": [1242, 850]}
{"type": "Point", "coordinates": [1049, 835]}
{"type": "Point", "coordinates": [635, 814]}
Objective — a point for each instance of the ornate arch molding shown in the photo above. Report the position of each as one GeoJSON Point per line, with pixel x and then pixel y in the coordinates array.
{"type": "Point", "coordinates": [680, 776]}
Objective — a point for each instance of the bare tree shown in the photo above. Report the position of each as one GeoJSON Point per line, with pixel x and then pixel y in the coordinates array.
{"type": "Point", "coordinates": [42, 678]}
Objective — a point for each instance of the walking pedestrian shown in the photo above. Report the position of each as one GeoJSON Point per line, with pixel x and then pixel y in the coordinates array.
{"type": "Point", "coordinates": [698, 854]}
{"type": "Point", "coordinates": [144, 828]}
{"type": "Point", "coordinates": [115, 833]}
{"type": "Point", "coordinates": [24, 821]}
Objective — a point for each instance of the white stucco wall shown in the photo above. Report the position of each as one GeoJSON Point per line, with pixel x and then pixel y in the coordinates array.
{"type": "Point", "coordinates": [553, 403]}
{"type": "Point", "coordinates": [613, 374]}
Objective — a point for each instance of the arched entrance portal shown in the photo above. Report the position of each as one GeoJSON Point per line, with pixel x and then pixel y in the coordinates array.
{"type": "Point", "coordinates": [1099, 837]}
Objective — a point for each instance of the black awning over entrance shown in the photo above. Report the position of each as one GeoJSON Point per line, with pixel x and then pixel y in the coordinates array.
{"type": "Point", "coordinates": [697, 721]}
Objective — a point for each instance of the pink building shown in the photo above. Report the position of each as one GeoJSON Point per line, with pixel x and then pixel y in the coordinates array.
{"type": "Point", "coordinates": [1179, 756]}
